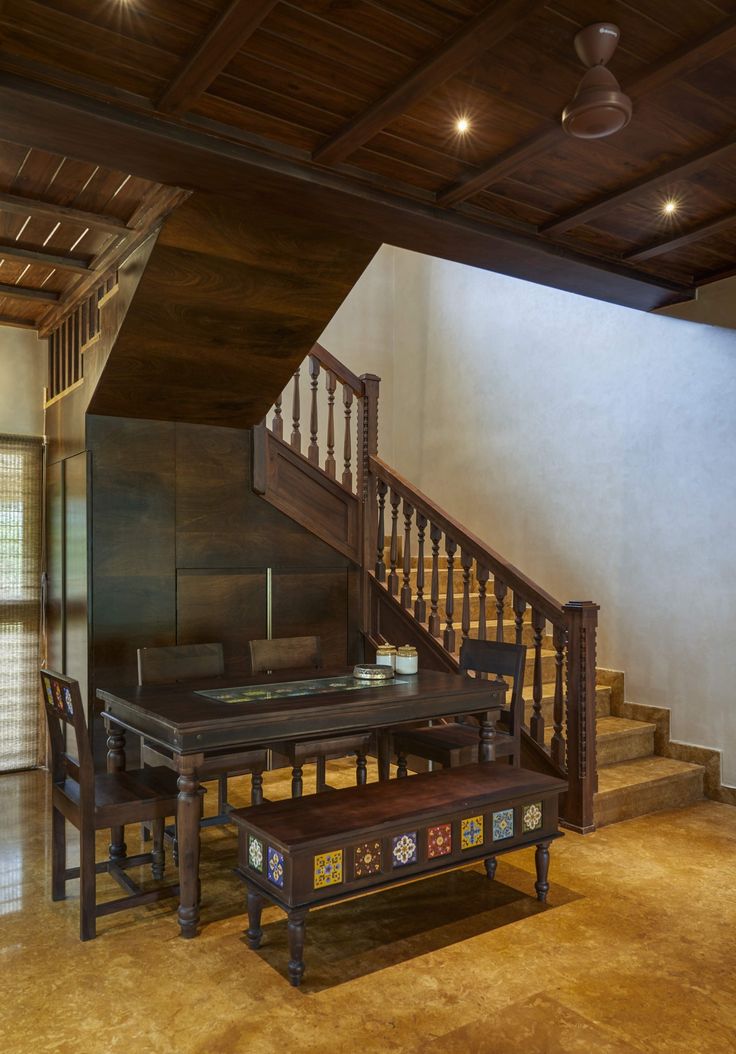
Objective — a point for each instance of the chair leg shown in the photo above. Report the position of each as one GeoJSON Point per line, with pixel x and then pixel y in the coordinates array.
{"type": "Point", "coordinates": [296, 945]}
{"type": "Point", "coordinates": [256, 792]}
{"type": "Point", "coordinates": [401, 769]}
{"type": "Point", "coordinates": [87, 886]}
{"type": "Point", "coordinates": [321, 773]}
{"type": "Point", "coordinates": [361, 770]}
{"type": "Point", "coordinates": [58, 855]}
{"type": "Point", "coordinates": [297, 785]}
{"type": "Point", "coordinates": [158, 856]}
{"type": "Point", "coordinates": [221, 795]}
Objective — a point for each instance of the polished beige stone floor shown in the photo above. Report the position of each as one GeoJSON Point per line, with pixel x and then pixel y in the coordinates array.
{"type": "Point", "coordinates": [635, 953]}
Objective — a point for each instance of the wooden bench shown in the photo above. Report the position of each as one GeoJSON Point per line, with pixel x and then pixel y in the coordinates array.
{"type": "Point", "coordinates": [308, 851]}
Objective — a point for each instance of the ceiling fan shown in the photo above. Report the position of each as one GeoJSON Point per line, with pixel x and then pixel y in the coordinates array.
{"type": "Point", "coordinates": [599, 107]}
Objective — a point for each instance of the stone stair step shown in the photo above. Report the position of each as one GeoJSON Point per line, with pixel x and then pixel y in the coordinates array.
{"type": "Point", "coordinates": [617, 738]}
{"type": "Point", "coordinates": [634, 788]}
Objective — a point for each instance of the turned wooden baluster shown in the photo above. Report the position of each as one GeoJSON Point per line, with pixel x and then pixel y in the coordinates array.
{"type": "Point", "coordinates": [466, 561]}
{"type": "Point", "coordinates": [536, 723]}
{"type": "Point", "coordinates": [482, 574]}
{"type": "Point", "coordinates": [313, 452]}
{"type": "Point", "coordinates": [406, 596]}
{"type": "Point", "coordinates": [347, 401]}
{"type": "Point", "coordinates": [500, 590]}
{"type": "Point", "coordinates": [381, 489]}
{"type": "Point", "coordinates": [435, 534]}
{"type": "Point", "coordinates": [519, 609]}
{"type": "Point", "coordinates": [449, 634]}
{"type": "Point", "coordinates": [559, 639]}
{"type": "Point", "coordinates": [331, 385]}
{"type": "Point", "coordinates": [393, 578]}
{"type": "Point", "coordinates": [420, 604]}
{"type": "Point", "coordinates": [277, 425]}
{"type": "Point", "coordinates": [296, 436]}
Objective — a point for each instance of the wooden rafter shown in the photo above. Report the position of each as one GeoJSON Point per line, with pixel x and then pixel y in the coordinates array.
{"type": "Point", "coordinates": [18, 323]}
{"type": "Point", "coordinates": [487, 29]}
{"type": "Point", "coordinates": [678, 64]}
{"type": "Point", "coordinates": [668, 245]}
{"type": "Point", "coordinates": [226, 37]}
{"type": "Point", "coordinates": [48, 211]}
{"type": "Point", "coordinates": [715, 276]}
{"type": "Point", "coordinates": [19, 292]}
{"type": "Point", "coordinates": [663, 177]}
{"type": "Point", "coordinates": [32, 256]}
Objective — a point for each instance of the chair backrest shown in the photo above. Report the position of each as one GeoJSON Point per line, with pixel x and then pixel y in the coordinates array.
{"type": "Point", "coordinates": [502, 660]}
{"type": "Point", "coordinates": [179, 662]}
{"type": "Point", "coordinates": [63, 705]}
{"type": "Point", "coordinates": [285, 653]}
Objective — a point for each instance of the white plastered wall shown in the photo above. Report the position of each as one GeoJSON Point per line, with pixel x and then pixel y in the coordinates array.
{"type": "Point", "coordinates": [22, 379]}
{"type": "Point", "coordinates": [592, 445]}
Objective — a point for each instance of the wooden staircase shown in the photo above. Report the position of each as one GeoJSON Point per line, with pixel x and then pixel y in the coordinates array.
{"type": "Point", "coordinates": [632, 779]}
{"type": "Point", "coordinates": [428, 581]}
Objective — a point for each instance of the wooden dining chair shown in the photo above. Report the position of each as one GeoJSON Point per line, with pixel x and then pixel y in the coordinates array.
{"type": "Point", "coordinates": [456, 743]}
{"type": "Point", "coordinates": [192, 662]}
{"type": "Point", "coordinates": [305, 653]}
{"type": "Point", "coordinates": [93, 802]}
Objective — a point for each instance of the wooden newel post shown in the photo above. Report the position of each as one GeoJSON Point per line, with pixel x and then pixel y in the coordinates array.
{"type": "Point", "coordinates": [577, 811]}
{"type": "Point", "coordinates": [367, 448]}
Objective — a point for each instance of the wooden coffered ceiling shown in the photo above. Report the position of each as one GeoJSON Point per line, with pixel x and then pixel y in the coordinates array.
{"type": "Point", "coordinates": [354, 101]}
{"type": "Point", "coordinates": [64, 225]}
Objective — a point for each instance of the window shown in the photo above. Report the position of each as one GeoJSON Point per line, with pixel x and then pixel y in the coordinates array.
{"type": "Point", "coordinates": [21, 463]}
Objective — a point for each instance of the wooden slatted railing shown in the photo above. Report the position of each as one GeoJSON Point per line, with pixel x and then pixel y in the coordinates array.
{"type": "Point", "coordinates": [70, 340]}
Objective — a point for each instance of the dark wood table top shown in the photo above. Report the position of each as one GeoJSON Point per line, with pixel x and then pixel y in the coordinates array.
{"type": "Point", "coordinates": [178, 717]}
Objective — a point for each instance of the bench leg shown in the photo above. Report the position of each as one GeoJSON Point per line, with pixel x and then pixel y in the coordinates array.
{"type": "Point", "coordinates": [321, 773]}
{"type": "Point", "coordinates": [491, 863]}
{"type": "Point", "coordinates": [361, 770]}
{"type": "Point", "coordinates": [401, 769]}
{"type": "Point", "coordinates": [158, 857]}
{"type": "Point", "coordinates": [256, 788]}
{"type": "Point", "coordinates": [297, 784]}
{"type": "Point", "coordinates": [541, 859]}
{"type": "Point", "coordinates": [254, 932]}
{"type": "Point", "coordinates": [296, 946]}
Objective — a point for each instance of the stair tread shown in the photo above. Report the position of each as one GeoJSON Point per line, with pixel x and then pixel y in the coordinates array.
{"type": "Point", "coordinates": [621, 726]}
{"type": "Point", "coordinates": [623, 775]}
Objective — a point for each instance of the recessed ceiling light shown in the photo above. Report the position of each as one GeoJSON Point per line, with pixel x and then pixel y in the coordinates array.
{"type": "Point", "coordinates": [462, 125]}
{"type": "Point", "coordinates": [670, 206]}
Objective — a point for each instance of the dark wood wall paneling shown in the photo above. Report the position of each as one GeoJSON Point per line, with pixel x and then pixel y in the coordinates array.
{"type": "Point", "coordinates": [181, 545]}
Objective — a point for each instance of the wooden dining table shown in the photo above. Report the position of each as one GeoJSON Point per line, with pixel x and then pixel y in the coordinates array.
{"type": "Point", "coordinates": [190, 722]}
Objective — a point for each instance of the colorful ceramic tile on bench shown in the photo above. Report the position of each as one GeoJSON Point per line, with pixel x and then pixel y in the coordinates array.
{"type": "Point", "coordinates": [471, 832]}
{"type": "Point", "coordinates": [275, 867]}
{"type": "Point", "coordinates": [367, 859]}
{"type": "Point", "coordinates": [255, 852]}
{"type": "Point", "coordinates": [531, 817]}
{"type": "Point", "coordinates": [328, 869]}
{"type": "Point", "coordinates": [404, 849]}
{"type": "Point", "coordinates": [439, 840]}
{"type": "Point", "coordinates": [503, 824]}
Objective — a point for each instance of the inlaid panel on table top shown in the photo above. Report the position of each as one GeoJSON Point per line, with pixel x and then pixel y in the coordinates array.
{"type": "Point", "coordinates": [337, 816]}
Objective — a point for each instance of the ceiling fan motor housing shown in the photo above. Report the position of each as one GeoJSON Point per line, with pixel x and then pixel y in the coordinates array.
{"type": "Point", "coordinates": [599, 107]}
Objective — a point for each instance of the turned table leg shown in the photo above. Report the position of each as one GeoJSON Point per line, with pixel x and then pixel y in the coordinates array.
{"type": "Point", "coordinates": [297, 784]}
{"type": "Point", "coordinates": [487, 743]}
{"type": "Point", "coordinates": [296, 945]}
{"type": "Point", "coordinates": [116, 763]}
{"type": "Point", "coordinates": [254, 933]}
{"type": "Point", "coordinates": [187, 835]}
{"type": "Point", "coordinates": [491, 863]}
{"type": "Point", "coordinates": [541, 859]}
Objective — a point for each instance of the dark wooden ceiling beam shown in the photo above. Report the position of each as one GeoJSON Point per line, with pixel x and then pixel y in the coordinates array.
{"type": "Point", "coordinates": [695, 234]}
{"type": "Point", "coordinates": [32, 256]}
{"type": "Point", "coordinates": [225, 39]}
{"type": "Point", "coordinates": [58, 121]}
{"type": "Point", "coordinates": [684, 60]}
{"type": "Point", "coordinates": [483, 32]}
{"type": "Point", "coordinates": [715, 276]}
{"type": "Point", "coordinates": [62, 213]}
{"type": "Point", "coordinates": [19, 292]}
{"type": "Point", "coordinates": [19, 323]}
{"type": "Point", "coordinates": [662, 178]}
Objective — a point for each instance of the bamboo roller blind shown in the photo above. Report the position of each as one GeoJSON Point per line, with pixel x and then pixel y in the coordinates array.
{"type": "Point", "coordinates": [21, 519]}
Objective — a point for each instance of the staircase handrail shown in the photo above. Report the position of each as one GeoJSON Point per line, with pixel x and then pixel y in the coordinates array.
{"type": "Point", "coordinates": [342, 372]}
{"type": "Point", "coordinates": [482, 552]}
